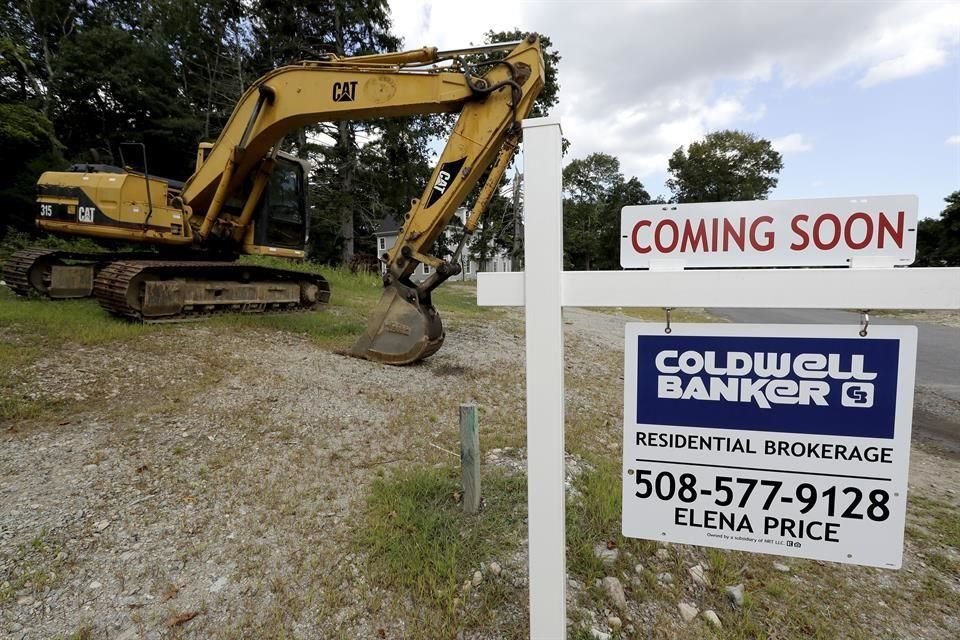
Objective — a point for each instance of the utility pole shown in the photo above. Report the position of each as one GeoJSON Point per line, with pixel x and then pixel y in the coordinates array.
{"type": "Point", "coordinates": [517, 228]}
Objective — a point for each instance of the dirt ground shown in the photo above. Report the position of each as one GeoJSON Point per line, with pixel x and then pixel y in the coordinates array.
{"type": "Point", "coordinates": [212, 494]}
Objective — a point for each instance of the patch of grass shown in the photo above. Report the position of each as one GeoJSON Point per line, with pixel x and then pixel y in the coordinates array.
{"type": "Point", "coordinates": [656, 314]}
{"type": "Point", "coordinates": [943, 564]}
{"type": "Point", "coordinates": [419, 543]}
{"type": "Point", "coordinates": [14, 241]}
{"type": "Point", "coordinates": [34, 566]}
{"type": "Point", "coordinates": [593, 518]}
{"type": "Point", "coordinates": [32, 327]}
{"type": "Point", "coordinates": [58, 321]}
{"type": "Point", "coordinates": [460, 298]}
{"type": "Point", "coordinates": [330, 328]}
{"type": "Point", "coordinates": [940, 520]}
{"type": "Point", "coordinates": [582, 633]}
{"type": "Point", "coordinates": [14, 405]}
{"type": "Point", "coordinates": [777, 606]}
{"type": "Point", "coordinates": [83, 632]}
{"type": "Point", "coordinates": [353, 297]}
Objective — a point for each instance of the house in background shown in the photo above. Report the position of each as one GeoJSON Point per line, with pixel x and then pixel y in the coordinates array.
{"type": "Point", "coordinates": [389, 229]}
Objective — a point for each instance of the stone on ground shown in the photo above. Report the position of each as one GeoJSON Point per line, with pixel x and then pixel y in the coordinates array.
{"type": "Point", "coordinates": [614, 591]}
{"type": "Point", "coordinates": [607, 556]}
{"type": "Point", "coordinates": [699, 577]}
{"type": "Point", "coordinates": [735, 593]}
{"type": "Point", "coordinates": [711, 616]}
{"type": "Point", "coordinates": [687, 611]}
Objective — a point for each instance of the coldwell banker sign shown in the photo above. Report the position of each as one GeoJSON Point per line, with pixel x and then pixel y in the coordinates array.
{"type": "Point", "coordinates": [783, 439]}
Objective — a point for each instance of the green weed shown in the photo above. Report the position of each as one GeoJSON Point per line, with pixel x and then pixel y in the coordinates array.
{"type": "Point", "coordinates": [418, 540]}
{"type": "Point", "coordinates": [594, 518]}
{"type": "Point", "coordinates": [14, 241]}
{"type": "Point", "coordinates": [56, 321]}
{"type": "Point", "coordinates": [941, 520]}
{"type": "Point", "coordinates": [654, 314]}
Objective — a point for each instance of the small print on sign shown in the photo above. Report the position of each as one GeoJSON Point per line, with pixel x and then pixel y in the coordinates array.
{"type": "Point", "coordinates": [782, 439]}
{"type": "Point", "coordinates": [814, 232]}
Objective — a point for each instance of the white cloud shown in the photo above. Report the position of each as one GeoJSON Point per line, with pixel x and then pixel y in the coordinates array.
{"type": "Point", "coordinates": [909, 39]}
{"type": "Point", "coordinates": [911, 63]}
{"type": "Point", "coordinates": [639, 79]}
{"type": "Point", "coordinates": [953, 139]}
{"type": "Point", "coordinates": [792, 143]}
{"type": "Point", "coordinates": [449, 25]}
{"type": "Point", "coordinates": [644, 136]}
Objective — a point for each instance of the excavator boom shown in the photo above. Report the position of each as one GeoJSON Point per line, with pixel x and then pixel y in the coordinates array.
{"type": "Point", "coordinates": [405, 326]}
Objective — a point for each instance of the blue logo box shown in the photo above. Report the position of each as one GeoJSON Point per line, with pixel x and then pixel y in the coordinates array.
{"type": "Point", "coordinates": [817, 386]}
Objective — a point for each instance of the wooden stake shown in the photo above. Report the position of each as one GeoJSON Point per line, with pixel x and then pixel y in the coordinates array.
{"type": "Point", "coordinates": [470, 457]}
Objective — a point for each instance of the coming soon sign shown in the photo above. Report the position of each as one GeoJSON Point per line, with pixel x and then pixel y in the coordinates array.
{"type": "Point", "coordinates": [881, 230]}
{"type": "Point", "coordinates": [781, 439]}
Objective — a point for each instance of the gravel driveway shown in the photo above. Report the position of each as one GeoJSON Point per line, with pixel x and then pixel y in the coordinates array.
{"type": "Point", "coordinates": [212, 494]}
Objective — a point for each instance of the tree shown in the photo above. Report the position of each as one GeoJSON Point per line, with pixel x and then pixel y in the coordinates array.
{"type": "Point", "coordinates": [366, 169]}
{"type": "Point", "coordinates": [949, 249]}
{"type": "Point", "coordinates": [119, 88]}
{"type": "Point", "coordinates": [595, 192]}
{"type": "Point", "coordinates": [26, 150]}
{"type": "Point", "coordinates": [211, 50]}
{"type": "Point", "coordinates": [31, 35]}
{"type": "Point", "coordinates": [726, 165]}
{"type": "Point", "coordinates": [938, 240]}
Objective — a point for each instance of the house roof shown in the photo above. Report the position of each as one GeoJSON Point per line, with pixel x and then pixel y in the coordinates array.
{"type": "Point", "coordinates": [388, 226]}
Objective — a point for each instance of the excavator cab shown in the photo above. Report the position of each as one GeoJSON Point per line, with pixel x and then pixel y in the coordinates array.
{"type": "Point", "coordinates": [283, 221]}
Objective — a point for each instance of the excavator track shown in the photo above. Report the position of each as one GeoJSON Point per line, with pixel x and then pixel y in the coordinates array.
{"type": "Point", "coordinates": [153, 291]}
{"type": "Point", "coordinates": [58, 274]}
{"type": "Point", "coordinates": [16, 270]}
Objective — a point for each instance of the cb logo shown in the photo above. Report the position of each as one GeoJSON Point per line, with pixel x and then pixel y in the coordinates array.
{"type": "Point", "coordinates": [856, 394]}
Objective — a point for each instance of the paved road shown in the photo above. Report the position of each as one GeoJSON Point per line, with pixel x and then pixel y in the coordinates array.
{"type": "Point", "coordinates": [937, 408]}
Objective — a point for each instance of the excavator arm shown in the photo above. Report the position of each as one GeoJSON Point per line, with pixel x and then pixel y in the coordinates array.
{"type": "Point", "coordinates": [492, 98]}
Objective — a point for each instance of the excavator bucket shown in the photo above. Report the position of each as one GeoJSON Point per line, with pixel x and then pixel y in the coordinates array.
{"type": "Point", "coordinates": [401, 330]}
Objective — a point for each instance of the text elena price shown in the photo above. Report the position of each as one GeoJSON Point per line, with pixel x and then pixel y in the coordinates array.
{"type": "Point", "coordinates": [805, 510]}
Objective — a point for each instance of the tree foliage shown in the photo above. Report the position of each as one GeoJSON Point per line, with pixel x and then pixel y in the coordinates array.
{"type": "Point", "coordinates": [725, 165]}
{"type": "Point", "coordinates": [80, 77]}
{"type": "Point", "coordinates": [938, 240]}
{"type": "Point", "coordinates": [28, 148]}
{"type": "Point", "coordinates": [595, 191]}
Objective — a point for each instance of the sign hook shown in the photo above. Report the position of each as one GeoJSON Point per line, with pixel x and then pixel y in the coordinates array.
{"type": "Point", "coordinates": [668, 329]}
{"type": "Point", "coordinates": [864, 322]}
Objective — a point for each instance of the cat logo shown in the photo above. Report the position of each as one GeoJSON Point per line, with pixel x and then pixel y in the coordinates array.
{"type": "Point", "coordinates": [442, 181]}
{"type": "Point", "coordinates": [448, 171]}
{"type": "Point", "coordinates": [345, 91]}
{"type": "Point", "coordinates": [85, 214]}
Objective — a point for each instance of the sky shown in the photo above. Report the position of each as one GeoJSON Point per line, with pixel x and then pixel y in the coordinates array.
{"type": "Point", "coordinates": [861, 98]}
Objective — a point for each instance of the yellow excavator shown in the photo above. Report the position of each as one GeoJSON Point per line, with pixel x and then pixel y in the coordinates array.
{"type": "Point", "coordinates": [248, 197]}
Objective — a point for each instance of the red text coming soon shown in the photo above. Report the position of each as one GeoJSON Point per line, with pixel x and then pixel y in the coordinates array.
{"type": "Point", "coordinates": [824, 231]}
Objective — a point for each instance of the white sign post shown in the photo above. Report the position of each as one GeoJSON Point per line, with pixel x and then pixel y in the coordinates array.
{"type": "Point", "coordinates": [545, 288]}
{"type": "Point", "coordinates": [543, 261]}
{"type": "Point", "coordinates": [784, 439]}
